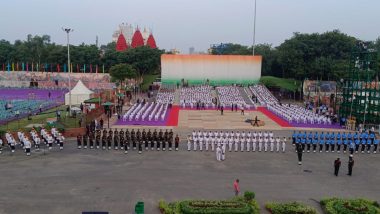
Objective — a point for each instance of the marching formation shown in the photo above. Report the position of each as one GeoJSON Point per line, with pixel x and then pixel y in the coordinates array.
{"type": "Point", "coordinates": [26, 142]}
{"type": "Point", "coordinates": [128, 140]}
{"type": "Point", "coordinates": [220, 141]}
{"type": "Point", "coordinates": [331, 141]}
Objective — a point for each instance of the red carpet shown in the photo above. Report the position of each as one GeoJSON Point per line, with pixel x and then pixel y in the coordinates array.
{"type": "Point", "coordinates": [173, 116]}
{"type": "Point", "coordinates": [275, 118]}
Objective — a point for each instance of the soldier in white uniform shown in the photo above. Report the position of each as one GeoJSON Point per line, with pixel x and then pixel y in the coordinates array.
{"type": "Point", "coordinates": [266, 144]}
{"type": "Point", "coordinates": [278, 144]}
{"type": "Point", "coordinates": [188, 143]}
{"type": "Point", "coordinates": [12, 143]}
{"type": "Point", "coordinates": [60, 140]}
{"type": "Point", "coordinates": [242, 142]}
{"type": "Point", "coordinates": [206, 137]}
{"type": "Point", "coordinates": [212, 140]}
{"type": "Point", "coordinates": [272, 140]}
{"type": "Point", "coordinates": [27, 146]}
{"type": "Point", "coordinates": [223, 151]}
{"type": "Point", "coordinates": [236, 141]}
{"type": "Point", "coordinates": [200, 139]}
{"type": "Point", "coordinates": [271, 134]}
{"type": "Point", "coordinates": [50, 141]}
{"type": "Point", "coordinates": [260, 143]}
{"type": "Point", "coordinates": [218, 153]}
{"type": "Point", "coordinates": [195, 141]}
{"type": "Point", "coordinates": [230, 143]}
{"type": "Point", "coordinates": [1, 146]}
{"type": "Point", "coordinates": [283, 144]}
{"type": "Point", "coordinates": [254, 141]}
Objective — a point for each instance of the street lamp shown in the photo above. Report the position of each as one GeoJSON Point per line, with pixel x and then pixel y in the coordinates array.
{"type": "Point", "coordinates": [254, 30]}
{"type": "Point", "coordinates": [68, 30]}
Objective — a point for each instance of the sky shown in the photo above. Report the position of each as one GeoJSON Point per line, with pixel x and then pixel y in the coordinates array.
{"type": "Point", "coordinates": [182, 24]}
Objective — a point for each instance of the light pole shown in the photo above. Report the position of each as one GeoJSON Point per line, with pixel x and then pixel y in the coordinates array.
{"type": "Point", "coordinates": [68, 30]}
{"type": "Point", "coordinates": [254, 31]}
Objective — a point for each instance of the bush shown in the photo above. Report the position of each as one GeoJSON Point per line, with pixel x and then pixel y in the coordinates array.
{"type": "Point", "coordinates": [248, 196]}
{"type": "Point", "coordinates": [290, 208]}
{"type": "Point", "coordinates": [349, 206]}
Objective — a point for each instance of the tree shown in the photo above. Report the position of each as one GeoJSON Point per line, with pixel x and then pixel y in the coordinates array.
{"type": "Point", "coordinates": [120, 72]}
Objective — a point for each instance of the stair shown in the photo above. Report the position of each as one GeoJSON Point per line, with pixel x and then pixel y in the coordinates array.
{"type": "Point", "coordinates": [245, 96]}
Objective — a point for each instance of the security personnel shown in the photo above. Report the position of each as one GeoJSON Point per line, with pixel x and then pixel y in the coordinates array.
{"type": "Point", "coordinates": [176, 142]}
{"type": "Point", "coordinates": [85, 140]}
{"type": "Point", "coordinates": [350, 165]}
{"type": "Point", "coordinates": [133, 139]}
{"type": "Point", "coordinates": [299, 153]}
{"type": "Point", "coordinates": [79, 141]}
{"type": "Point", "coordinates": [91, 137]}
{"type": "Point", "coordinates": [150, 139]}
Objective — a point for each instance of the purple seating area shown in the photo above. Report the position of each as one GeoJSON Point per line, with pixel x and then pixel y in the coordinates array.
{"type": "Point", "coordinates": [145, 114]}
{"type": "Point", "coordinates": [35, 94]}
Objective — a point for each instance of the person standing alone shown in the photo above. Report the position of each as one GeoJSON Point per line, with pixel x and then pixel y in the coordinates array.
{"type": "Point", "coordinates": [350, 165]}
{"type": "Point", "coordinates": [337, 164]}
{"type": "Point", "coordinates": [236, 187]}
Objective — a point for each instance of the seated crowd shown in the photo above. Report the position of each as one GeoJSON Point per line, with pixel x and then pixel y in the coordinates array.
{"type": "Point", "coordinates": [196, 96]}
{"type": "Point", "coordinates": [130, 139]}
{"type": "Point", "coordinates": [34, 139]}
{"type": "Point", "coordinates": [144, 111]}
{"type": "Point", "coordinates": [290, 112]}
{"type": "Point", "coordinates": [236, 141]}
{"type": "Point", "coordinates": [230, 95]}
{"type": "Point", "coordinates": [166, 95]}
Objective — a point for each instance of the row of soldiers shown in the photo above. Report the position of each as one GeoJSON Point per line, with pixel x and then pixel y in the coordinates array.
{"type": "Point", "coordinates": [129, 139]}
{"type": "Point", "coordinates": [34, 139]}
{"type": "Point", "coordinates": [331, 141]}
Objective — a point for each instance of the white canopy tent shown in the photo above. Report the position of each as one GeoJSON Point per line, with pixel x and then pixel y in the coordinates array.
{"type": "Point", "coordinates": [79, 94]}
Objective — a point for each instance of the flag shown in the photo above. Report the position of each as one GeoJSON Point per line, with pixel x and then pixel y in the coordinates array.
{"type": "Point", "coordinates": [27, 66]}
{"type": "Point", "coordinates": [58, 68]}
{"type": "Point", "coordinates": [13, 66]}
{"type": "Point", "coordinates": [71, 68]}
{"type": "Point", "coordinates": [9, 67]}
{"type": "Point", "coordinates": [3, 67]}
{"type": "Point", "coordinates": [38, 67]}
{"type": "Point", "coordinates": [17, 66]}
{"type": "Point", "coordinates": [23, 66]}
{"type": "Point", "coordinates": [103, 68]}
{"type": "Point", "coordinates": [64, 68]}
{"type": "Point", "coordinates": [90, 68]}
{"type": "Point", "coordinates": [84, 68]}
{"type": "Point", "coordinates": [96, 69]}
{"type": "Point", "coordinates": [77, 68]}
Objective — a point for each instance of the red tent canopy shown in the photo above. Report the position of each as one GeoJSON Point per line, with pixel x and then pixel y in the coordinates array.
{"type": "Point", "coordinates": [151, 42]}
{"type": "Point", "coordinates": [137, 39]}
{"type": "Point", "coordinates": [121, 44]}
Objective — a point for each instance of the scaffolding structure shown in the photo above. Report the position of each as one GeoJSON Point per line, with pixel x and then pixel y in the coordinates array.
{"type": "Point", "coordinates": [361, 91]}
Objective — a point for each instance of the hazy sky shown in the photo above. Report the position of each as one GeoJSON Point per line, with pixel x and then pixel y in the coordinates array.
{"type": "Point", "coordinates": [188, 23]}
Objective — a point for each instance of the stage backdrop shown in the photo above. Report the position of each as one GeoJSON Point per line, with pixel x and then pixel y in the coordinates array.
{"type": "Point", "coordinates": [218, 69]}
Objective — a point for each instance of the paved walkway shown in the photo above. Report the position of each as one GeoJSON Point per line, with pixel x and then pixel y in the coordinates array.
{"type": "Point", "coordinates": [71, 181]}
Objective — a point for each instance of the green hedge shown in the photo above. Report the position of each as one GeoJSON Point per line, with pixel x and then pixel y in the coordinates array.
{"type": "Point", "coordinates": [349, 206]}
{"type": "Point", "coordinates": [234, 206]}
{"type": "Point", "coordinates": [289, 208]}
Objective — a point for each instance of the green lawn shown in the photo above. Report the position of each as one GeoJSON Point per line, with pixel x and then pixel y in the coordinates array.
{"type": "Point", "coordinates": [147, 80]}
{"type": "Point", "coordinates": [41, 119]}
{"type": "Point", "coordinates": [288, 84]}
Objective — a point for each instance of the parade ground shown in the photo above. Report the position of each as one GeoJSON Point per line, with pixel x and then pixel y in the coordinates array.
{"type": "Point", "coordinates": [72, 180]}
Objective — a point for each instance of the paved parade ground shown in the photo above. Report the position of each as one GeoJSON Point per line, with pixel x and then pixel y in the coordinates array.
{"type": "Point", "coordinates": [72, 180]}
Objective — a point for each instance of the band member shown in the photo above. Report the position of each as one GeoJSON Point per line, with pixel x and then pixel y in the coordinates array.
{"type": "Point", "coordinates": [60, 139]}
{"type": "Point", "coordinates": [91, 139]}
{"type": "Point", "coordinates": [121, 135]}
{"type": "Point", "coordinates": [97, 139]}
{"type": "Point", "coordinates": [79, 141]}
{"type": "Point", "coordinates": [50, 141]}
{"type": "Point", "coordinates": [104, 140]}
{"type": "Point", "coordinates": [27, 146]}
{"type": "Point", "coordinates": [133, 139]}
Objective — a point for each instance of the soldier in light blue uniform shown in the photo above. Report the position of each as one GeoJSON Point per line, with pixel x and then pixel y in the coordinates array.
{"type": "Point", "coordinates": [303, 142]}
{"type": "Point", "coordinates": [332, 141]}
{"type": "Point", "coordinates": [371, 137]}
{"type": "Point", "coordinates": [315, 141]}
{"type": "Point", "coordinates": [346, 142]}
{"type": "Point", "coordinates": [357, 144]}
{"type": "Point", "coordinates": [353, 146]}
{"type": "Point", "coordinates": [327, 141]}
{"type": "Point", "coordinates": [321, 142]}
{"type": "Point", "coordinates": [375, 144]}
{"type": "Point", "coordinates": [294, 137]}
{"type": "Point", "coordinates": [369, 144]}
{"type": "Point", "coordinates": [338, 143]}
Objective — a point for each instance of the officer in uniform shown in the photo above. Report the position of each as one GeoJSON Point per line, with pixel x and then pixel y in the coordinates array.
{"type": "Point", "coordinates": [140, 146]}
{"type": "Point", "coordinates": [166, 139]}
{"type": "Point", "coordinates": [133, 139]}
{"type": "Point", "coordinates": [79, 141]}
{"type": "Point", "coordinates": [127, 143]}
{"type": "Point", "coordinates": [116, 140]}
{"type": "Point", "coordinates": [170, 140]}
{"type": "Point", "coordinates": [85, 140]}
{"type": "Point", "coordinates": [109, 140]}
{"type": "Point", "coordinates": [138, 136]}
{"type": "Point", "coordinates": [176, 142]}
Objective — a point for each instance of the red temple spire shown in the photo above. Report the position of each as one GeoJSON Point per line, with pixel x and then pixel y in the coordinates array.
{"type": "Point", "coordinates": [151, 42]}
{"type": "Point", "coordinates": [137, 39]}
{"type": "Point", "coordinates": [121, 44]}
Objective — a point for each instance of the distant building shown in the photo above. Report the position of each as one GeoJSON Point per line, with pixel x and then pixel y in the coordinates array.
{"type": "Point", "coordinates": [191, 50]}
{"type": "Point", "coordinates": [174, 51]}
{"type": "Point", "coordinates": [127, 36]}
